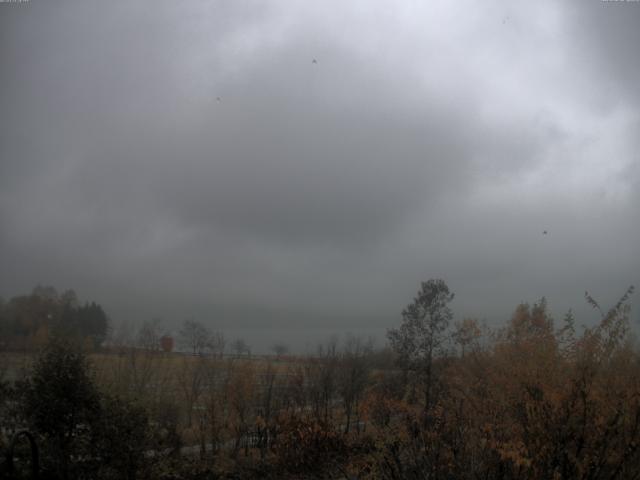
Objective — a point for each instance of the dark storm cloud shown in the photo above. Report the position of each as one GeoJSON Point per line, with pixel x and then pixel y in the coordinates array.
{"type": "Point", "coordinates": [606, 38]}
{"type": "Point", "coordinates": [191, 159]}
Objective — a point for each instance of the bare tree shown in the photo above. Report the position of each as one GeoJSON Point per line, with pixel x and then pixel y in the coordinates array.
{"type": "Point", "coordinates": [466, 334]}
{"type": "Point", "coordinates": [213, 416]}
{"type": "Point", "coordinates": [240, 398]}
{"type": "Point", "coordinates": [294, 391]}
{"type": "Point", "coordinates": [353, 377]}
{"type": "Point", "coordinates": [149, 334]}
{"type": "Point", "coordinates": [191, 380]}
{"type": "Point", "coordinates": [240, 347]}
{"type": "Point", "coordinates": [268, 405]}
{"type": "Point", "coordinates": [194, 336]}
{"type": "Point", "coordinates": [217, 344]}
{"type": "Point", "coordinates": [321, 375]}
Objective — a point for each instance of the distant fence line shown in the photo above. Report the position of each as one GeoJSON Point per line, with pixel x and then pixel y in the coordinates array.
{"type": "Point", "coordinates": [118, 350]}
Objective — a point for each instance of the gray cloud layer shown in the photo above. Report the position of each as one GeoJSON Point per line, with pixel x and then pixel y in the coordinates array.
{"type": "Point", "coordinates": [435, 140]}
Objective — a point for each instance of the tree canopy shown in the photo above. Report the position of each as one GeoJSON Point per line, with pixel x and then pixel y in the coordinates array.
{"type": "Point", "coordinates": [30, 320]}
{"type": "Point", "coordinates": [422, 332]}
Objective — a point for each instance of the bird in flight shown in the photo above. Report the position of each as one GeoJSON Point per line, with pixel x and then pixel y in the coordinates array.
{"type": "Point", "coordinates": [314, 61]}
{"type": "Point", "coordinates": [544, 233]}
{"type": "Point", "coordinates": [218, 99]}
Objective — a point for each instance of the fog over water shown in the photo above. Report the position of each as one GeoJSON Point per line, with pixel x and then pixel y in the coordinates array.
{"type": "Point", "coordinates": [191, 160]}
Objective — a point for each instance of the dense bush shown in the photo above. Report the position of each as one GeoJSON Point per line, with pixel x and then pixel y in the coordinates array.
{"type": "Point", "coordinates": [82, 433]}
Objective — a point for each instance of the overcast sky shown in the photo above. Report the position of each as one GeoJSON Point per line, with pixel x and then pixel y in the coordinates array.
{"type": "Point", "coordinates": [180, 159]}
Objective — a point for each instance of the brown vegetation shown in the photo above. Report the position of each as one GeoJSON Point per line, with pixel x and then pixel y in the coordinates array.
{"type": "Point", "coordinates": [529, 400]}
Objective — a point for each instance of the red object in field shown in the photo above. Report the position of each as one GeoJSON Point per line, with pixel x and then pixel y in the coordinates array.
{"type": "Point", "coordinates": [166, 343]}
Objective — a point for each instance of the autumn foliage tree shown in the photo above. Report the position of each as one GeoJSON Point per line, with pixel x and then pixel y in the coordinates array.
{"type": "Point", "coordinates": [30, 320]}
{"type": "Point", "coordinates": [539, 401]}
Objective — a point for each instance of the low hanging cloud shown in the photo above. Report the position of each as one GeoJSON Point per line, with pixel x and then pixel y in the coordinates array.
{"type": "Point", "coordinates": [277, 165]}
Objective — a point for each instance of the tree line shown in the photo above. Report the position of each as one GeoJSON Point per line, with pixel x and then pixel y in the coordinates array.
{"type": "Point", "coordinates": [533, 398]}
{"type": "Point", "coordinates": [28, 321]}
